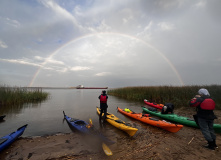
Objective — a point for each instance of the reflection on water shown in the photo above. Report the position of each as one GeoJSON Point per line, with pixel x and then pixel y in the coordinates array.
{"type": "Point", "coordinates": [17, 108]}
{"type": "Point", "coordinates": [47, 118]}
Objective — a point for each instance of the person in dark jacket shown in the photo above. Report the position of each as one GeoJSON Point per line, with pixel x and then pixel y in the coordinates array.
{"type": "Point", "coordinates": [103, 104]}
{"type": "Point", "coordinates": [167, 108]}
{"type": "Point", "coordinates": [205, 116]}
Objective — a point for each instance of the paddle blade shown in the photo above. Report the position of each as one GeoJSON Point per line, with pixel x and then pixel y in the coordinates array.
{"type": "Point", "coordinates": [90, 122]}
{"type": "Point", "coordinates": [106, 149]}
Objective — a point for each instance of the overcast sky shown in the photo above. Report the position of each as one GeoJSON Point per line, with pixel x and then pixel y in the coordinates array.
{"type": "Point", "coordinates": [113, 43]}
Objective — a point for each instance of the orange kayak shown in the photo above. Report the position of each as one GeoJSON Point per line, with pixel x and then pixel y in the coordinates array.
{"type": "Point", "coordinates": [152, 121]}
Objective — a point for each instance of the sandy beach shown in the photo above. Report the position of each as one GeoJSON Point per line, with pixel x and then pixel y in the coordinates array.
{"type": "Point", "coordinates": [148, 143]}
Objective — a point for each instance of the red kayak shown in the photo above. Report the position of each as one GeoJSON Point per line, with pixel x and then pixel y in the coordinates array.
{"type": "Point", "coordinates": [155, 105]}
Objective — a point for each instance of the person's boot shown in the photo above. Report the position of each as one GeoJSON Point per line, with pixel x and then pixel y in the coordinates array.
{"type": "Point", "coordinates": [210, 145]}
{"type": "Point", "coordinates": [214, 143]}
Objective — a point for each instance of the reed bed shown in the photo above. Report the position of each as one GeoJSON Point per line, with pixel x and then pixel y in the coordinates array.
{"type": "Point", "coordinates": [20, 95]}
{"type": "Point", "coordinates": [178, 95]}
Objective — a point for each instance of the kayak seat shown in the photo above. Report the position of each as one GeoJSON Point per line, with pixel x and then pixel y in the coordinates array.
{"type": "Point", "coordinates": [154, 119]}
{"type": "Point", "coordinates": [79, 122]}
{"type": "Point", "coordinates": [128, 124]}
{"type": "Point", "coordinates": [132, 112]}
{"type": "Point", "coordinates": [145, 115]}
{"type": "Point", "coordinates": [73, 119]}
{"type": "Point", "coordinates": [119, 121]}
{"type": "Point", "coordinates": [3, 140]}
{"type": "Point", "coordinates": [152, 109]}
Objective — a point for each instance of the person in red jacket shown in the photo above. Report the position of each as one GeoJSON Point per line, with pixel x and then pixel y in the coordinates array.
{"type": "Point", "coordinates": [205, 116]}
{"type": "Point", "coordinates": [103, 104]}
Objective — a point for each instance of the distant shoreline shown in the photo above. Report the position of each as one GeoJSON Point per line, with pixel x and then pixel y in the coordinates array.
{"type": "Point", "coordinates": [64, 87]}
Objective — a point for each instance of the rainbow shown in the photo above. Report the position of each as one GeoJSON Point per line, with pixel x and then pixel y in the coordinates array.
{"type": "Point", "coordinates": [108, 33]}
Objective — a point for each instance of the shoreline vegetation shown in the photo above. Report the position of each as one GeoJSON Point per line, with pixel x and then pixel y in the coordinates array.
{"type": "Point", "coordinates": [21, 95]}
{"type": "Point", "coordinates": [178, 95]}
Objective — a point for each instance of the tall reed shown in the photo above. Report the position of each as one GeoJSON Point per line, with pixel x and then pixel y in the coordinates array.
{"type": "Point", "coordinates": [178, 95]}
{"type": "Point", "coordinates": [19, 95]}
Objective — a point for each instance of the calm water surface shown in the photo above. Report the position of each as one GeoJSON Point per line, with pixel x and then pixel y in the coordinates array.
{"type": "Point", "coordinates": [47, 117]}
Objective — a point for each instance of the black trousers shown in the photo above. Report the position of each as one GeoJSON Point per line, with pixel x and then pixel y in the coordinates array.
{"type": "Point", "coordinates": [103, 107]}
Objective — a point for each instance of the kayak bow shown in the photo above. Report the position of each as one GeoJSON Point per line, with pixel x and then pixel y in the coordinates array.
{"type": "Point", "coordinates": [155, 105]}
{"type": "Point", "coordinates": [10, 138]}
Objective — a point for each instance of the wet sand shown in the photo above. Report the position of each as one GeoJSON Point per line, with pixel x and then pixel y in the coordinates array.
{"type": "Point", "coordinates": [148, 143]}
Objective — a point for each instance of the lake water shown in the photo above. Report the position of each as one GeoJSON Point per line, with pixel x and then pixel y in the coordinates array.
{"type": "Point", "coordinates": [47, 118]}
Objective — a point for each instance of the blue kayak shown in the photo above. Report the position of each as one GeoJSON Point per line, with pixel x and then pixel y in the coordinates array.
{"type": "Point", "coordinates": [9, 139]}
{"type": "Point", "coordinates": [79, 125]}
{"type": "Point", "coordinates": [86, 128]}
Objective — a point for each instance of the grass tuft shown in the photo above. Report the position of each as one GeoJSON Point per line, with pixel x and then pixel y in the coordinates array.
{"type": "Point", "coordinates": [20, 95]}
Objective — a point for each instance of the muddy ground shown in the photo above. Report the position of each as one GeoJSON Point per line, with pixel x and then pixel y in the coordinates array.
{"type": "Point", "coordinates": [148, 143]}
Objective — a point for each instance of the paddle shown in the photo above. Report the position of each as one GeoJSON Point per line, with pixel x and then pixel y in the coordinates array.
{"type": "Point", "coordinates": [64, 117]}
{"type": "Point", "coordinates": [90, 122]}
{"type": "Point", "coordinates": [106, 149]}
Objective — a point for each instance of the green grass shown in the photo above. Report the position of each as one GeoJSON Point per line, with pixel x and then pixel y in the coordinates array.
{"type": "Point", "coordinates": [19, 95]}
{"type": "Point", "coordinates": [178, 95]}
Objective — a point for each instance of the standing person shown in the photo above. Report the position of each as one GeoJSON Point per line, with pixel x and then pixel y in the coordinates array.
{"type": "Point", "coordinates": [205, 116]}
{"type": "Point", "coordinates": [103, 104]}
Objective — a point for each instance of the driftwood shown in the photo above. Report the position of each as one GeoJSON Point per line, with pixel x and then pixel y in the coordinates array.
{"type": "Point", "coordinates": [190, 140]}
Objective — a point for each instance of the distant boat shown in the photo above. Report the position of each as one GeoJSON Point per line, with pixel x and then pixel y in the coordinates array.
{"type": "Point", "coordinates": [82, 87]}
{"type": "Point", "coordinates": [93, 88]}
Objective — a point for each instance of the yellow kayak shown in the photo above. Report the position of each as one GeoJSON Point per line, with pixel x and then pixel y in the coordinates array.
{"type": "Point", "coordinates": [116, 122]}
